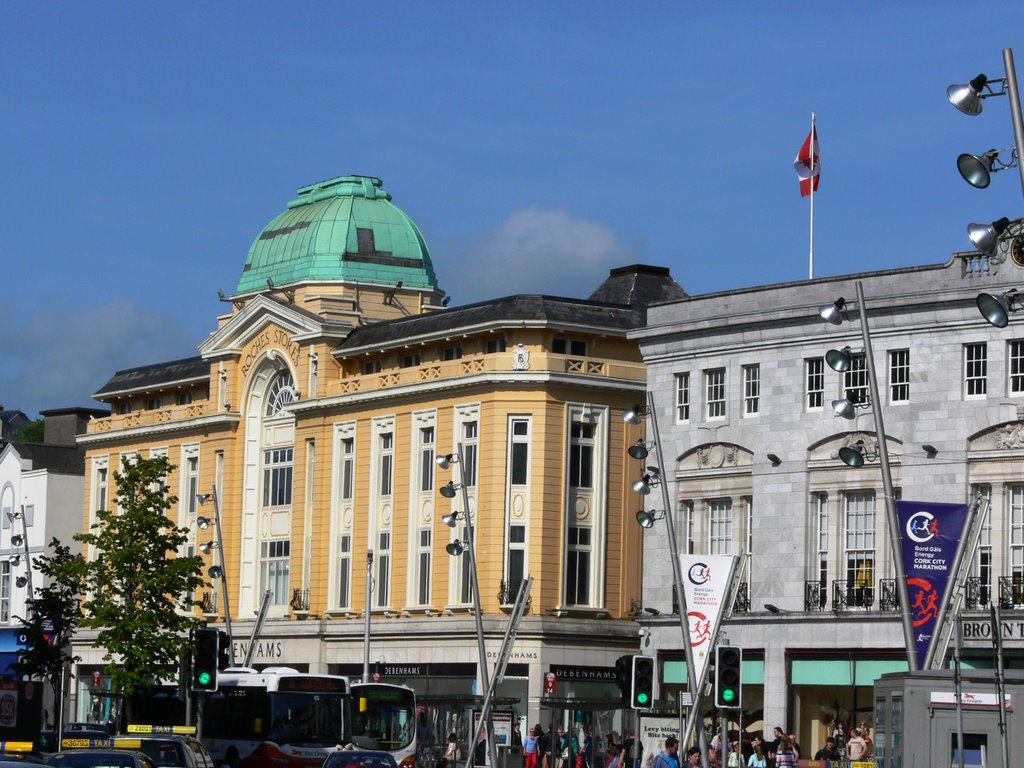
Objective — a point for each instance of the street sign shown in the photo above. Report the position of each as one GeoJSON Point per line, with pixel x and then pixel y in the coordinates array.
{"type": "Point", "coordinates": [550, 682]}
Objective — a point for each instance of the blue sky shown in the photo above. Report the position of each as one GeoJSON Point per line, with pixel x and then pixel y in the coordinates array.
{"type": "Point", "coordinates": [145, 145]}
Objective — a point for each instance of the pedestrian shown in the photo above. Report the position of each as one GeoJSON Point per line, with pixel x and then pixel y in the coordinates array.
{"type": "Point", "coordinates": [829, 752]}
{"type": "Point", "coordinates": [785, 757]}
{"type": "Point", "coordinates": [794, 745]}
{"type": "Point", "coordinates": [530, 749]}
{"type": "Point", "coordinates": [517, 736]}
{"type": "Point", "coordinates": [451, 752]}
{"type": "Point", "coordinates": [856, 746]}
{"type": "Point", "coordinates": [734, 760]}
{"type": "Point", "coordinates": [757, 757]}
{"type": "Point", "coordinates": [669, 756]}
{"type": "Point", "coordinates": [692, 757]}
{"type": "Point", "coordinates": [543, 746]}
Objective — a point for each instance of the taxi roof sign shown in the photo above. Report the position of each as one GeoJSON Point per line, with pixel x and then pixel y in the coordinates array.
{"type": "Point", "coordinates": [176, 729]}
{"type": "Point", "coordinates": [86, 743]}
{"type": "Point", "coordinates": [16, 746]}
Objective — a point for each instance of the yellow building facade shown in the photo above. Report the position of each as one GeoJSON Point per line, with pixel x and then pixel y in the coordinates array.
{"type": "Point", "coordinates": [316, 411]}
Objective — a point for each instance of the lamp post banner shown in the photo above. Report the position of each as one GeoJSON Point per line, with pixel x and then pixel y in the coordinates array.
{"type": "Point", "coordinates": [706, 580]}
{"type": "Point", "coordinates": [932, 533]}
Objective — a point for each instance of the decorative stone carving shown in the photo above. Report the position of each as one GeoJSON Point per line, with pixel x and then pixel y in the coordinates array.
{"type": "Point", "coordinates": [520, 358]}
{"type": "Point", "coordinates": [716, 456]}
{"type": "Point", "coordinates": [1010, 436]}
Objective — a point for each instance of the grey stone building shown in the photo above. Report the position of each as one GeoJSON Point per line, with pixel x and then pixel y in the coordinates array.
{"type": "Point", "coordinates": [743, 399]}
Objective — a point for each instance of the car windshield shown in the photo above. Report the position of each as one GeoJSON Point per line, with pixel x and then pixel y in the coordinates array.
{"type": "Point", "coordinates": [86, 759]}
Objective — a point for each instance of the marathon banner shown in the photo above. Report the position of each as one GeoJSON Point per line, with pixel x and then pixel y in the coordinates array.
{"type": "Point", "coordinates": [931, 534]}
{"type": "Point", "coordinates": [706, 580]}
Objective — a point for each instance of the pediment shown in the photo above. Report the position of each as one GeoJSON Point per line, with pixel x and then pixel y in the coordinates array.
{"type": "Point", "coordinates": [1008, 436]}
{"type": "Point", "coordinates": [828, 449]}
{"type": "Point", "coordinates": [715, 456]}
{"type": "Point", "coordinates": [259, 314]}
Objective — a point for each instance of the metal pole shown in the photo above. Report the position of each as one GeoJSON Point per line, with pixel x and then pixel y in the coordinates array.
{"type": "Point", "coordinates": [223, 576]}
{"type": "Point", "coordinates": [895, 534]}
{"type": "Point", "coordinates": [475, 580]}
{"type": "Point", "coordinates": [1015, 113]}
{"type": "Point", "coordinates": [997, 642]}
{"type": "Point", "coordinates": [28, 559]}
{"type": "Point", "coordinates": [958, 690]}
{"type": "Point", "coordinates": [366, 617]}
{"type": "Point", "coordinates": [677, 579]}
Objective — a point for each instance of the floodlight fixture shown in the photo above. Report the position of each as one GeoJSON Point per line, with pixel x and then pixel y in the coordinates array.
{"type": "Point", "coordinates": [204, 497]}
{"type": "Point", "coordinates": [446, 460]}
{"type": "Point", "coordinates": [635, 414]}
{"type": "Point", "coordinates": [452, 519]}
{"type": "Point", "coordinates": [774, 459]}
{"type": "Point", "coordinates": [647, 519]}
{"type": "Point", "coordinates": [996, 307]}
{"type": "Point", "coordinates": [638, 450]}
{"type": "Point", "coordinates": [448, 490]}
{"type": "Point", "coordinates": [21, 581]}
{"type": "Point", "coordinates": [967, 97]}
{"type": "Point", "coordinates": [207, 546]}
{"type": "Point", "coordinates": [456, 548]}
{"type": "Point", "coordinates": [835, 312]}
{"type": "Point", "coordinates": [839, 359]}
{"type": "Point", "coordinates": [855, 455]}
{"type": "Point", "coordinates": [977, 170]}
{"type": "Point", "coordinates": [216, 572]}
{"type": "Point", "coordinates": [930, 450]}
{"type": "Point", "coordinates": [17, 540]}
{"type": "Point", "coordinates": [15, 559]}
{"type": "Point", "coordinates": [986, 236]}
{"type": "Point", "coordinates": [203, 522]}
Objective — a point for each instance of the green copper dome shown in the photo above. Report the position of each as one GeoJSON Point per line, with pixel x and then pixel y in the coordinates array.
{"type": "Point", "coordinates": [344, 228]}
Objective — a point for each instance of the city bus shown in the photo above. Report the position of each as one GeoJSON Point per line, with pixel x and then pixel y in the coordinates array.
{"type": "Point", "coordinates": [384, 718]}
{"type": "Point", "coordinates": [277, 716]}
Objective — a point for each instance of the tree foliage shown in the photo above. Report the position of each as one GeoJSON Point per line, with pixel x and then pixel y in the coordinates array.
{"type": "Point", "coordinates": [53, 615]}
{"type": "Point", "coordinates": [138, 585]}
{"type": "Point", "coordinates": [31, 432]}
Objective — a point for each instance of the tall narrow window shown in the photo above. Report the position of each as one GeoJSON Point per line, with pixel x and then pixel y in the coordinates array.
{"type": "Point", "coordinates": [682, 397]}
{"type": "Point", "coordinates": [714, 392]}
{"type": "Point", "coordinates": [751, 390]}
{"type": "Point", "coordinates": [1016, 367]}
{"type": "Point", "coordinates": [426, 459]}
{"type": "Point", "coordinates": [470, 446]}
{"type": "Point", "coordinates": [516, 560]}
{"type": "Point", "coordinates": [5, 591]}
{"type": "Point", "coordinates": [577, 570]}
{"type": "Point", "coordinates": [424, 564]}
{"type": "Point", "coordinates": [465, 579]}
{"type": "Point", "coordinates": [348, 467]}
{"type": "Point", "coordinates": [101, 488]}
{"type": "Point", "coordinates": [383, 570]}
{"type": "Point", "coordinates": [983, 559]}
{"type": "Point", "coordinates": [192, 484]}
{"type": "Point", "coordinates": [975, 370]}
{"type": "Point", "coordinates": [387, 462]}
{"type": "Point", "coordinates": [581, 455]}
{"type": "Point", "coordinates": [345, 570]}
{"type": "Point", "coordinates": [274, 557]}
{"type": "Point", "coordinates": [519, 450]}
{"type": "Point", "coordinates": [277, 477]}
{"type": "Point", "coordinates": [855, 379]}
{"type": "Point", "coordinates": [860, 548]}
{"type": "Point", "coordinates": [821, 502]}
{"type": "Point", "coordinates": [1016, 553]}
{"type": "Point", "coordinates": [720, 526]}
{"type": "Point", "coordinates": [814, 378]}
{"type": "Point", "coordinates": [899, 376]}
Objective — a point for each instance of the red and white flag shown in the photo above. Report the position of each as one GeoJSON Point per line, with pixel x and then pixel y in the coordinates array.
{"type": "Point", "coordinates": [808, 164]}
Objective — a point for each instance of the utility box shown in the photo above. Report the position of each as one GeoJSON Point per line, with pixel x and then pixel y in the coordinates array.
{"type": "Point", "coordinates": [510, 756]}
{"type": "Point", "coordinates": [917, 719]}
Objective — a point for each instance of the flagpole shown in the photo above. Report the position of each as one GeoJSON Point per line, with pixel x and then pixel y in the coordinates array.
{"type": "Point", "coordinates": [810, 269]}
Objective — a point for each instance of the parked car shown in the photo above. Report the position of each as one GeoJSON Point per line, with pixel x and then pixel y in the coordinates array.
{"type": "Point", "coordinates": [168, 751]}
{"type": "Point", "coordinates": [100, 758]}
{"type": "Point", "coordinates": [359, 758]}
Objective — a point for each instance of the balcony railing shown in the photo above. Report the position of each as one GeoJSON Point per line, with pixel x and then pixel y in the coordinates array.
{"type": "Point", "coordinates": [509, 591]}
{"type": "Point", "coordinates": [977, 593]}
{"type": "Point", "coordinates": [815, 595]}
{"type": "Point", "coordinates": [847, 595]}
{"type": "Point", "coordinates": [742, 602]}
{"type": "Point", "coordinates": [300, 600]}
{"type": "Point", "coordinates": [208, 603]}
{"type": "Point", "coordinates": [1011, 591]}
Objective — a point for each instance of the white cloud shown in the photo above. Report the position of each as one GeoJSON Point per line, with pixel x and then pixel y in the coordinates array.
{"type": "Point", "coordinates": [533, 251]}
{"type": "Point", "coordinates": [55, 359]}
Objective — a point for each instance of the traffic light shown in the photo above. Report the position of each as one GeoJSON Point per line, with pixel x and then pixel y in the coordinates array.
{"type": "Point", "coordinates": [204, 659]}
{"type": "Point", "coordinates": [223, 651]}
{"type": "Point", "coordinates": [728, 666]}
{"type": "Point", "coordinates": [641, 695]}
{"type": "Point", "coordinates": [623, 669]}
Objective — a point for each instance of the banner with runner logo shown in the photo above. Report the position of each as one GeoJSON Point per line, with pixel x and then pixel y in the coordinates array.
{"type": "Point", "coordinates": [932, 533]}
{"type": "Point", "coordinates": [706, 580]}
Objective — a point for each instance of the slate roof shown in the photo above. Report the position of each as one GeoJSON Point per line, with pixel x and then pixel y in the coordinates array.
{"type": "Point", "coordinates": [61, 459]}
{"type": "Point", "coordinates": [155, 376]}
{"type": "Point", "coordinates": [639, 285]}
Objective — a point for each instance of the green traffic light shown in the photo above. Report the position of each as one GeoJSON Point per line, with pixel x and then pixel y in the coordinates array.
{"type": "Point", "coordinates": [729, 694]}
{"type": "Point", "coordinates": [204, 678]}
{"type": "Point", "coordinates": [641, 698]}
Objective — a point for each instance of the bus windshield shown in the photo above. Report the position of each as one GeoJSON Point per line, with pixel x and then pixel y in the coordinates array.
{"type": "Point", "coordinates": [383, 717]}
{"type": "Point", "coordinates": [306, 719]}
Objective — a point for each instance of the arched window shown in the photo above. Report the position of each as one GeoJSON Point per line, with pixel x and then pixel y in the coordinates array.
{"type": "Point", "coordinates": [280, 392]}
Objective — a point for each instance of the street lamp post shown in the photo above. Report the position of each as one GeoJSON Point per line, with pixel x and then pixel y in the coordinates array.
{"type": "Point", "coordinates": [834, 314]}
{"type": "Point", "coordinates": [222, 573]}
{"type": "Point", "coordinates": [444, 462]}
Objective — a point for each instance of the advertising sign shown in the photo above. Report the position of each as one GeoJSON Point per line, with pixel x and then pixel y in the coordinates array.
{"type": "Point", "coordinates": [706, 580]}
{"type": "Point", "coordinates": [502, 722]}
{"type": "Point", "coordinates": [931, 535]}
{"type": "Point", "coordinates": [651, 736]}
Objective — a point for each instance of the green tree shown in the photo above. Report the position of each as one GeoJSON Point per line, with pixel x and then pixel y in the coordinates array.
{"type": "Point", "coordinates": [138, 586]}
{"type": "Point", "coordinates": [31, 432]}
{"type": "Point", "coordinates": [53, 615]}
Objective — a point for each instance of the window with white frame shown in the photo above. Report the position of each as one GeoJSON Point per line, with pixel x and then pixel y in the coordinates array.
{"type": "Point", "coordinates": [714, 393]}
{"type": "Point", "coordinates": [577, 570]}
{"type": "Point", "coordinates": [975, 370]}
{"type": "Point", "coordinates": [1015, 367]}
{"type": "Point", "coordinates": [277, 477]}
{"type": "Point", "coordinates": [386, 457]}
{"type": "Point", "coordinates": [383, 569]}
{"type": "Point", "coordinates": [682, 397]}
{"type": "Point", "coordinates": [470, 449]}
{"type": "Point", "coordinates": [426, 450]}
{"type": "Point", "coordinates": [860, 548]}
{"type": "Point", "coordinates": [101, 487]}
{"type": "Point", "coordinates": [274, 566]}
{"type": "Point", "coordinates": [983, 566]}
{"type": "Point", "coordinates": [6, 506]}
{"type": "Point", "coordinates": [348, 468]}
{"type": "Point", "coordinates": [687, 525]}
{"type": "Point", "coordinates": [516, 566]}
{"type": "Point", "coordinates": [814, 383]}
{"type": "Point", "coordinates": [1016, 553]}
{"type": "Point", "coordinates": [720, 526]}
{"type": "Point", "coordinates": [899, 376]}
{"type": "Point", "coordinates": [424, 564]}
{"type": "Point", "coordinates": [465, 579]}
{"type": "Point", "coordinates": [5, 591]}
{"type": "Point", "coordinates": [855, 379]}
{"type": "Point", "coordinates": [191, 484]}
{"type": "Point", "coordinates": [751, 390]}
{"type": "Point", "coordinates": [344, 599]}
{"type": "Point", "coordinates": [581, 455]}
{"type": "Point", "coordinates": [519, 451]}
{"type": "Point", "coordinates": [821, 507]}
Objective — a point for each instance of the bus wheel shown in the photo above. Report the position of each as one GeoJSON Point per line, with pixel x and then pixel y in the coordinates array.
{"type": "Point", "coordinates": [232, 758]}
